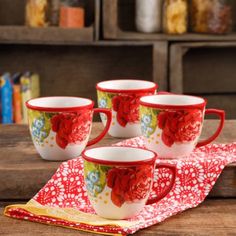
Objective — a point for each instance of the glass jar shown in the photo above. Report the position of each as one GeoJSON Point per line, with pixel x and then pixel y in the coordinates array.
{"type": "Point", "coordinates": [148, 15]}
{"type": "Point", "coordinates": [211, 16]}
{"type": "Point", "coordinates": [72, 13]}
{"type": "Point", "coordinates": [175, 16]}
{"type": "Point", "coordinates": [36, 13]}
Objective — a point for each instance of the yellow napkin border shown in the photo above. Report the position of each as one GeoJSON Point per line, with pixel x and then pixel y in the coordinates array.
{"type": "Point", "coordinates": [70, 215]}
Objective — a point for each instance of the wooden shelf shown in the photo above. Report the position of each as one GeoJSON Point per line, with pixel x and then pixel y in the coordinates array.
{"type": "Point", "coordinates": [118, 23]}
{"type": "Point", "coordinates": [126, 35]}
{"type": "Point", "coordinates": [12, 29]}
{"type": "Point", "coordinates": [49, 35]}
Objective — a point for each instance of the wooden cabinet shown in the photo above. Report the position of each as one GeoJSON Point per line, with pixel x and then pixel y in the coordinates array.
{"type": "Point", "coordinates": [119, 24]}
{"type": "Point", "coordinates": [13, 29]}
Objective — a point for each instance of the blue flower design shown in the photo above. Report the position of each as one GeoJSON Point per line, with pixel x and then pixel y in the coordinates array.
{"type": "Point", "coordinates": [94, 176]}
{"type": "Point", "coordinates": [92, 183]}
{"type": "Point", "coordinates": [89, 186]}
{"type": "Point", "coordinates": [103, 103]}
{"type": "Point", "coordinates": [39, 123]}
{"type": "Point", "coordinates": [146, 128]}
{"type": "Point", "coordinates": [146, 119]}
{"type": "Point", "coordinates": [37, 127]}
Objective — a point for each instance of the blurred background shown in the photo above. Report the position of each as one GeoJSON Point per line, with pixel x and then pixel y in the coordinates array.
{"type": "Point", "coordinates": [53, 47]}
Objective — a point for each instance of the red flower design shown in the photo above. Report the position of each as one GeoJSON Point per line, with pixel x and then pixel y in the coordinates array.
{"type": "Point", "coordinates": [71, 127]}
{"type": "Point", "coordinates": [127, 107]}
{"type": "Point", "coordinates": [129, 184]}
{"type": "Point", "coordinates": [179, 126]}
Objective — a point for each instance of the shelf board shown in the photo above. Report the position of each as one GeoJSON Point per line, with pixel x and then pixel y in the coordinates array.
{"type": "Point", "coordinates": [47, 35]}
{"type": "Point", "coordinates": [129, 35]}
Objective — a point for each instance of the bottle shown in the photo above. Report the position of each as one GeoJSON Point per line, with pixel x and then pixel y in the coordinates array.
{"type": "Point", "coordinates": [36, 13]}
{"type": "Point", "coordinates": [175, 18]}
{"type": "Point", "coordinates": [148, 15]}
{"type": "Point", "coordinates": [211, 16]}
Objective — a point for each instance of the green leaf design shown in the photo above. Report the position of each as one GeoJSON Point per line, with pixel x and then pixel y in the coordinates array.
{"type": "Point", "coordinates": [95, 177]}
{"type": "Point", "coordinates": [105, 99]}
{"type": "Point", "coordinates": [148, 119]}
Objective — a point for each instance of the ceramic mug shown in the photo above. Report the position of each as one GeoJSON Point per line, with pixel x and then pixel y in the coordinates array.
{"type": "Point", "coordinates": [122, 97]}
{"type": "Point", "coordinates": [171, 124]}
{"type": "Point", "coordinates": [119, 180]}
{"type": "Point", "coordinates": [60, 126]}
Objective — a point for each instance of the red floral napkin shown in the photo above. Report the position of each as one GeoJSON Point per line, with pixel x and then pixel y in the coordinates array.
{"type": "Point", "coordinates": [63, 200]}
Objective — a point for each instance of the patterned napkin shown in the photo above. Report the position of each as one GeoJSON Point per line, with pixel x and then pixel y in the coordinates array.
{"type": "Point", "coordinates": [63, 200]}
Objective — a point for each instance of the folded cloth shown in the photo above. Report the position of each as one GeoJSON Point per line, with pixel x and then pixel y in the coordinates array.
{"type": "Point", "coordinates": [63, 200]}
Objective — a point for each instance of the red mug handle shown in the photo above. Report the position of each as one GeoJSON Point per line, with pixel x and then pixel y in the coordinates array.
{"type": "Point", "coordinates": [164, 193]}
{"type": "Point", "coordinates": [221, 115]}
{"type": "Point", "coordinates": [107, 112]}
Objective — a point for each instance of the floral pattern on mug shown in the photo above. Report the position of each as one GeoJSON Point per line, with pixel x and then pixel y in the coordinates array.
{"type": "Point", "coordinates": [179, 126]}
{"type": "Point", "coordinates": [40, 125]}
{"type": "Point", "coordinates": [104, 101]}
{"type": "Point", "coordinates": [71, 127]}
{"type": "Point", "coordinates": [125, 105]}
{"type": "Point", "coordinates": [95, 177]}
{"type": "Point", "coordinates": [129, 184]}
{"type": "Point", "coordinates": [148, 120]}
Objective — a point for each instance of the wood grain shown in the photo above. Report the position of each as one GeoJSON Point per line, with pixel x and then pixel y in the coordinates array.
{"type": "Point", "coordinates": [200, 63]}
{"type": "Point", "coordinates": [24, 34]}
{"type": "Point", "coordinates": [212, 217]}
{"type": "Point", "coordinates": [160, 65]}
{"type": "Point", "coordinates": [66, 70]}
{"type": "Point", "coordinates": [26, 173]}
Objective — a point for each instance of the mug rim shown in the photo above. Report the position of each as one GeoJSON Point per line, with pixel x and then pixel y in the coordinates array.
{"type": "Point", "coordinates": [119, 163]}
{"type": "Point", "coordinates": [138, 90]}
{"type": "Point", "coordinates": [168, 106]}
{"type": "Point", "coordinates": [59, 109]}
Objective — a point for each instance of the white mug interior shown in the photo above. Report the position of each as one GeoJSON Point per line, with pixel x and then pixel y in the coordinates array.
{"type": "Point", "coordinates": [59, 102]}
{"type": "Point", "coordinates": [173, 100]}
{"type": "Point", "coordinates": [126, 84]}
{"type": "Point", "coordinates": [119, 154]}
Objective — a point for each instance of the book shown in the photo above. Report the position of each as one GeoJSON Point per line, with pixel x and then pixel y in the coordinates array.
{"type": "Point", "coordinates": [17, 109]}
{"type": "Point", "coordinates": [25, 94]}
{"type": "Point", "coordinates": [6, 99]}
{"type": "Point", "coordinates": [35, 86]}
{"type": "Point", "coordinates": [29, 89]}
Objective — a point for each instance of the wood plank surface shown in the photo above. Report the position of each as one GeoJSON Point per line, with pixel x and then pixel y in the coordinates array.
{"type": "Point", "coordinates": [24, 34]}
{"type": "Point", "coordinates": [212, 217]}
{"type": "Point", "coordinates": [160, 65]}
{"type": "Point", "coordinates": [65, 70]}
{"type": "Point", "coordinates": [26, 172]}
{"type": "Point", "coordinates": [200, 63]}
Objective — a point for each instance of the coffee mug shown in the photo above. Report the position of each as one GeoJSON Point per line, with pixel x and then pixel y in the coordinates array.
{"type": "Point", "coordinates": [60, 126]}
{"type": "Point", "coordinates": [171, 124]}
{"type": "Point", "coordinates": [119, 180]}
{"type": "Point", "coordinates": [122, 97]}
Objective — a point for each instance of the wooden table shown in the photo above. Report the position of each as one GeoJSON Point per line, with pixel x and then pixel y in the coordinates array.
{"type": "Point", "coordinates": [23, 173]}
